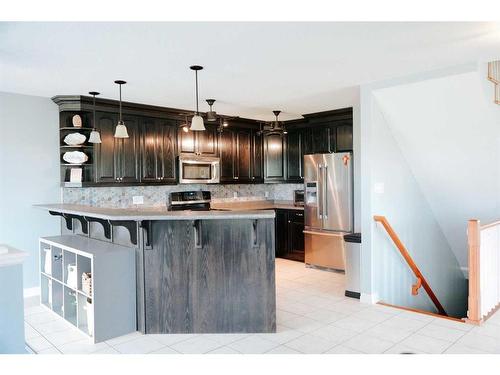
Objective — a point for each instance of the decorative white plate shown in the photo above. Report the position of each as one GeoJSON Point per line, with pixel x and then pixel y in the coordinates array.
{"type": "Point", "coordinates": [74, 139]}
{"type": "Point", "coordinates": [75, 157]}
{"type": "Point", "coordinates": [77, 121]}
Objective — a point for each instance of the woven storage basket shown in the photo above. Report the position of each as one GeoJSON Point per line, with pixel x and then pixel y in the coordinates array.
{"type": "Point", "coordinates": [87, 283]}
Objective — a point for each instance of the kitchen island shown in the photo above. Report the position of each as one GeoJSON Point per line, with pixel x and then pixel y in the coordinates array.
{"type": "Point", "coordinates": [197, 271]}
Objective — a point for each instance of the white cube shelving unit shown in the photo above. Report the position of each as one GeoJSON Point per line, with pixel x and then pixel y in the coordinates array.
{"type": "Point", "coordinates": [110, 309]}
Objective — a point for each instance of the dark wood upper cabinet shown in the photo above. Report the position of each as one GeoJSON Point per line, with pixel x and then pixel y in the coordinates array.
{"type": "Point", "coordinates": [106, 171]}
{"type": "Point", "coordinates": [321, 140]}
{"type": "Point", "coordinates": [274, 157]}
{"type": "Point", "coordinates": [117, 158]}
{"type": "Point", "coordinates": [240, 152]}
{"type": "Point", "coordinates": [257, 157]}
{"type": "Point", "coordinates": [187, 141]}
{"type": "Point", "coordinates": [327, 132]}
{"type": "Point", "coordinates": [343, 138]}
{"type": "Point", "coordinates": [127, 158]}
{"type": "Point", "coordinates": [227, 148]}
{"type": "Point", "coordinates": [201, 143]}
{"type": "Point", "coordinates": [158, 150]}
{"type": "Point", "coordinates": [206, 141]}
{"type": "Point", "coordinates": [294, 156]}
{"type": "Point", "coordinates": [169, 151]}
{"type": "Point", "coordinates": [243, 156]}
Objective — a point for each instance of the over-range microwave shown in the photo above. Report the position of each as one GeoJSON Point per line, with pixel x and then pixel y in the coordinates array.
{"type": "Point", "coordinates": [199, 170]}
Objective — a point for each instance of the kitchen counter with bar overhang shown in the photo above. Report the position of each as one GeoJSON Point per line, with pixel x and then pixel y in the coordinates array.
{"type": "Point", "coordinates": [196, 271]}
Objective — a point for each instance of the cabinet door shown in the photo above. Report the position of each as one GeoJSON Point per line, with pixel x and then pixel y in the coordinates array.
{"type": "Point", "coordinates": [105, 163]}
{"type": "Point", "coordinates": [206, 141]}
{"type": "Point", "coordinates": [344, 138]}
{"type": "Point", "coordinates": [295, 232]}
{"type": "Point", "coordinates": [227, 155]}
{"type": "Point", "coordinates": [281, 230]}
{"type": "Point", "coordinates": [243, 145]}
{"type": "Point", "coordinates": [257, 157]}
{"type": "Point", "coordinates": [128, 157]}
{"type": "Point", "coordinates": [274, 154]}
{"type": "Point", "coordinates": [186, 141]}
{"type": "Point", "coordinates": [167, 151]}
{"type": "Point", "coordinates": [294, 156]}
{"type": "Point", "coordinates": [307, 147]}
{"type": "Point", "coordinates": [321, 139]}
{"type": "Point", "coordinates": [149, 150]}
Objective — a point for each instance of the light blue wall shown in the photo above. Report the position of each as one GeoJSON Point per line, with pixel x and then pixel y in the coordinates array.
{"type": "Point", "coordinates": [408, 211]}
{"type": "Point", "coordinates": [11, 310]}
{"type": "Point", "coordinates": [29, 174]}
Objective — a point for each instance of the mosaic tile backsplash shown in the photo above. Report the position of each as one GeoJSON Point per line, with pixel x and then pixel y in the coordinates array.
{"type": "Point", "coordinates": [121, 197]}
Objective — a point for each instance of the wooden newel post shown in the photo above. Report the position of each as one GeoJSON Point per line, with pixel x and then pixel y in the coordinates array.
{"type": "Point", "coordinates": [474, 246]}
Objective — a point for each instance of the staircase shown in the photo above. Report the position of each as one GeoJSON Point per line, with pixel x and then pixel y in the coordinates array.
{"type": "Point", "coordinates": [420, 280]}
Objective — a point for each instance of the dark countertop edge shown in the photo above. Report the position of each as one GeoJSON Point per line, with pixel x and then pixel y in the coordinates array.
{"type": "Point", "coordinates": [136, 214]}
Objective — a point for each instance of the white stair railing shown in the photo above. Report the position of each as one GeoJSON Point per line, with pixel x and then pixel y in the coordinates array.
{"type": "Point", "coordinates": [484, 270]}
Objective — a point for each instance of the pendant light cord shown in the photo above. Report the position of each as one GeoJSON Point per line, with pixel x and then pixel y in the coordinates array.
{"type": "Point", "coordinates": [196, 78]}
{"type": "Point", "coordinates": [120, 102]}
{"type": "Point", "coordinates": [94, 111]}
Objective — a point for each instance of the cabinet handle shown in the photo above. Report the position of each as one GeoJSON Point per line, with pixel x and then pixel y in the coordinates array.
{"type": "Point", "coordinates": [255, 242]}
{"type": "Point", "coordinates": [197, 234]}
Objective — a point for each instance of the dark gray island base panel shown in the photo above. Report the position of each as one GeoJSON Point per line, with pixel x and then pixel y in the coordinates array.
{"type": "Point", "coordinates": [210, 276]}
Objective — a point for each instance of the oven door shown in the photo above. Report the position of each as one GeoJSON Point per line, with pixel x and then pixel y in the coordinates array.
{"type": "Point", "coordinates": [199, 170]}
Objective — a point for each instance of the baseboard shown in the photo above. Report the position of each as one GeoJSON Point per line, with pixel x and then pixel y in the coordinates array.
{"type": "Point", "coordinates": [31, 292]}
{"type": "Point", "coordinates": [368, 298]}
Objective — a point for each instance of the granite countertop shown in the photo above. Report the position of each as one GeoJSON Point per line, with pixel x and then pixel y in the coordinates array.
{"type": "Point", "coordinates": [154, 213]}
{"type": "Point", "coordinates": [239, 205]}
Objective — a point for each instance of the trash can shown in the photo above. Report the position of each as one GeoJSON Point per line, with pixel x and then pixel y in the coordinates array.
{"type": "Point", "coordinates": [352, 264]}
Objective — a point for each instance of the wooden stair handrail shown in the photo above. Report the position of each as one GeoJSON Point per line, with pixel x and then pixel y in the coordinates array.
{"type": "Point", "coordinates": [409, 260]}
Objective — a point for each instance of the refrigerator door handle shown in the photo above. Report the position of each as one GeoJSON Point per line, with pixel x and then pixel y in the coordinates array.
{"type": "Point", "coordinates": [325, 192]}
{"type": "Point", "coordinates": [320, 192]}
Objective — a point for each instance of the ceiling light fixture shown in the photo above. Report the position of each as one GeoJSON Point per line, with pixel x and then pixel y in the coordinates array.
{"type": "Point", "coordinates": [197, 121]}
{"type": "Point", "coordinates": [121, 129]}
{"type": "Point", "coordinates": [211, 114]}
{"type": "Point", "coordinates": [94, 137]}
{"type": "Point", "coordinates": [276, 125]}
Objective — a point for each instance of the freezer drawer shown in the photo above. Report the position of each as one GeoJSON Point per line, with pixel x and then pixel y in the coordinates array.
{"type": "Point", "coordinates": [325, 249]}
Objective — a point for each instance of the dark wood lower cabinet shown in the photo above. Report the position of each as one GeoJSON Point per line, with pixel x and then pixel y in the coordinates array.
{"type": "Point", "coordinates": [210, 276]}
{"type": "Point", "coordinates": [289, 227]}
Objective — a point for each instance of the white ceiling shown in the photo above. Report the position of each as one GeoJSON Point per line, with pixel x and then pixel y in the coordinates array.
{"type": "Point", "coordinates": [250, 68]}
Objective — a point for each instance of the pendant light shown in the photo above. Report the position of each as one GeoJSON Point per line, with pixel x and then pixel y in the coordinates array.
{"type": "Point", "coordinates": [94, 137]}
{"type": "Point", "coordinates": [211, 115]}
{"type": "Point", "coordinates": [277, 124]}
{"type": "Point", "coordinates": [197, 121]}
{"type": "Point", "coordinates": [121, 129]}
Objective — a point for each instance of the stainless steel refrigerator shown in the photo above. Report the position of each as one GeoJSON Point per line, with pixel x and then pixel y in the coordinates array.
{"type": "Point", "coordinates": [328, 208]}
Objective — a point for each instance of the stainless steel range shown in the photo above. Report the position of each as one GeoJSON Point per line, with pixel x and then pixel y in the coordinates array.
{"type": "Point", "coordinates": [189, 200]}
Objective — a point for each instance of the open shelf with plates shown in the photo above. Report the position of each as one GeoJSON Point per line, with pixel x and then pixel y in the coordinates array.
{"type": "Point", "coordinates": [69, 267]}
{"type": "Point", "coordinates": [66, 128]}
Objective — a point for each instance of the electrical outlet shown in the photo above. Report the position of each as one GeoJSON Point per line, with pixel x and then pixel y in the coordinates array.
{"type": "Point", "coordinates": [266, 194]}
{"type": "Point", "coordinates": [235, 194]}
{"type": "Point", "coordinates": [138, 199]}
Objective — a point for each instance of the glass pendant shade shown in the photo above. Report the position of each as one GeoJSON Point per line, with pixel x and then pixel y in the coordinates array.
{"type": "Point", "coordinates": [121, 130]}
{"type": "Point", "coordinates": [94, 137]}
{"type": "Point", "coordinates": [197, 123]}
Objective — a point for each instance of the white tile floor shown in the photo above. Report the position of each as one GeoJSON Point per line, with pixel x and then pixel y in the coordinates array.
{"type": "Point", "coordinates": [313, 317]}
